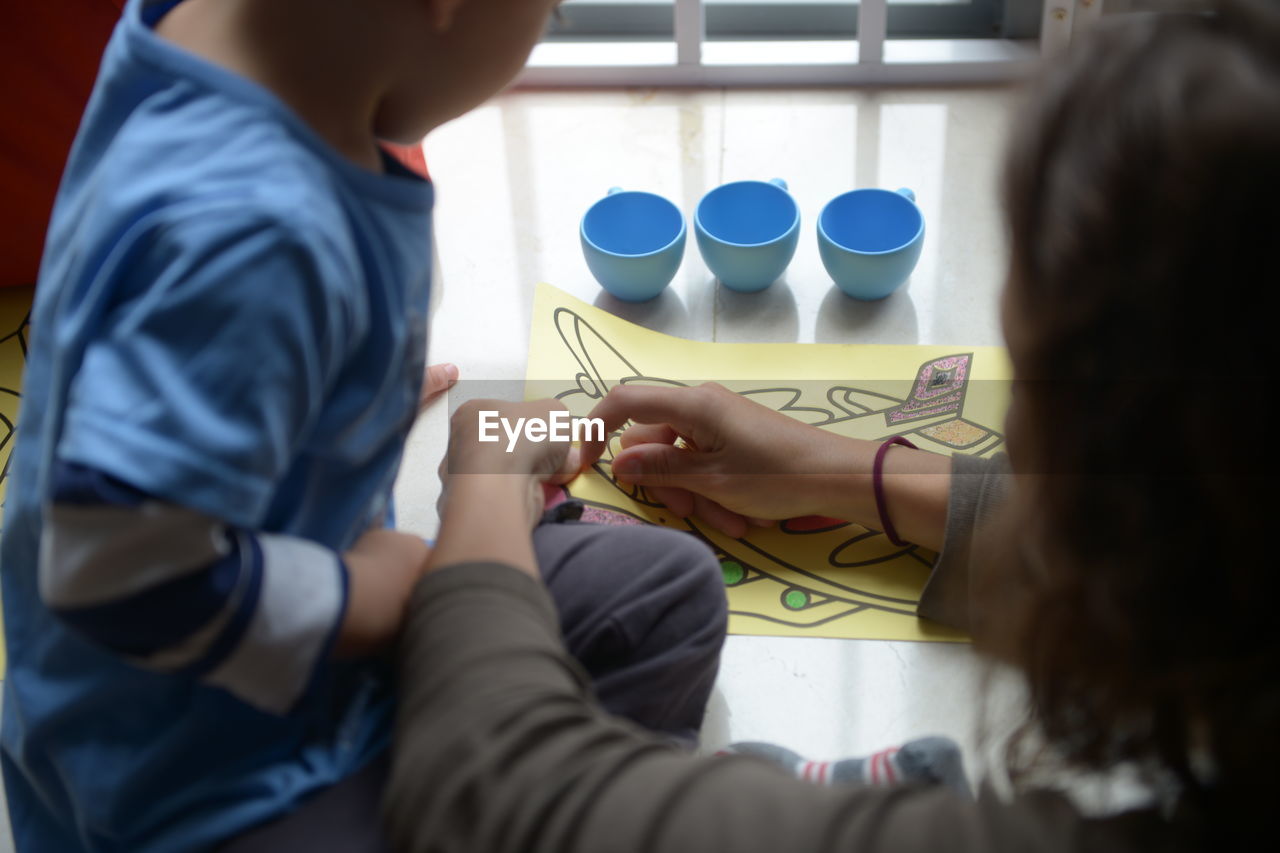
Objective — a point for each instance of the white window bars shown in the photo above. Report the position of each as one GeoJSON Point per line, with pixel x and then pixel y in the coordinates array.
{"type": "Point", "coordinates": [690, 59]}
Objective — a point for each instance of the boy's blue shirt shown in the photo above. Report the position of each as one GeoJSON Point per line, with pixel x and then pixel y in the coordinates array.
{"type": "Point", "coordinates": [230, 317]}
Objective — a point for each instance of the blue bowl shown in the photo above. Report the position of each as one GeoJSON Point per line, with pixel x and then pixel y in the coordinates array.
{"type": "Point", "coordinates": [870, 240]}
{"type": "Point", "coordinates": [633, 243]}
{"type": "Point", "coordinates": [747, 232]}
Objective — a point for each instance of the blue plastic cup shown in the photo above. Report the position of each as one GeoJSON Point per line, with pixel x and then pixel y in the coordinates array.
{"type": "Point", "coordinates": [870, 240]}
{"type": "Point", "coordinates": [633, 242]}
{"type": "Point", "coordinates": [747, 232]}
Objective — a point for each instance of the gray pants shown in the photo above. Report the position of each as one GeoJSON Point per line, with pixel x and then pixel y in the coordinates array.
{"type": "Point", "coordinates": [642, 608]}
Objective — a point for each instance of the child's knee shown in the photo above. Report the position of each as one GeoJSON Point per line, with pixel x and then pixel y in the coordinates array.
{"type": "Point", "coordinates": [690, 568]}
{"type": "Point", "coordinates": [707, 582]}
{"type": "Point", "coordinates": [651, 579]}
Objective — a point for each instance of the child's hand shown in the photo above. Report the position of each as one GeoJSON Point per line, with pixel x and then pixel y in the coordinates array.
{"type": "Point", "coordinates": [492, 493]}
{"type": "Point", "coordinates": [709, 452]}
{"type": "Point", "coordinates": [543, 460]}
{"type": "Point", "coordinates": [437, 379]}
{"type": "Point", "coordinates": [382, 567]}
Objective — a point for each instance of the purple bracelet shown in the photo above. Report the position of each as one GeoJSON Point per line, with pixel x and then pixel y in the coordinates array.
{"type": "Point", "coordinates": [877, 486]}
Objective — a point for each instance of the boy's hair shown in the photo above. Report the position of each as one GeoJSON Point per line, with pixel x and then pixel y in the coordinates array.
{"type": "Point", "coordinates": [1142, 191]}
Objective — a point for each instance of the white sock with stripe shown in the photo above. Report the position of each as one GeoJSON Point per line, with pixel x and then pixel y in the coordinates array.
{"type": "Point", "coordinates": [930, 761]}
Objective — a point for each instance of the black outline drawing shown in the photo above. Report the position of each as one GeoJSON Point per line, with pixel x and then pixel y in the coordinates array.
{"type": "Point", "coordinates": [7, 424]}
{"type": "Point", "coordinates": [937, 398]}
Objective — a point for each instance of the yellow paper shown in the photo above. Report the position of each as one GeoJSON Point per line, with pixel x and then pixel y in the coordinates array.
{"type": "Point", "coordinates": [802, 578]}
{"type": "Point", "coordinates": [15, 304]}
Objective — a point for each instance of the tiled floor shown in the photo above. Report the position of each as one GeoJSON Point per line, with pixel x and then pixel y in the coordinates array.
{"type": "Point", "coordinates": [513, 180]}
{"type": "Point", "coordinates": [515, 177]}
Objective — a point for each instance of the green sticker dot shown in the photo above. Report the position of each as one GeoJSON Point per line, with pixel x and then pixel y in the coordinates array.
{"type": "Point", "coordinates": [733, 572]}
{"type": "Point", "coordinates": [795, 599]}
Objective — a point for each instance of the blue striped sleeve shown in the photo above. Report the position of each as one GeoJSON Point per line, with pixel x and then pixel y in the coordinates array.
{"type": "Point", "coordinates": [178, 592]}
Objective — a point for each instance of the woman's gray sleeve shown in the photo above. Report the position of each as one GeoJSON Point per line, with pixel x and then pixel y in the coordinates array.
{"type": "Point", "coordinates": [978, 488]}
{"type": "Point", "coordinates": [501, 749]}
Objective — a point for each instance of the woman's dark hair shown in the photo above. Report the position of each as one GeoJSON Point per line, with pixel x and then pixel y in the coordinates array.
{"type": "Point", "coordinates": [1143, 199]}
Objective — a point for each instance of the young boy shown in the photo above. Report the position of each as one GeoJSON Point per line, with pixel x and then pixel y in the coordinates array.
{"type": "Point", "coordinates": [227, 352]}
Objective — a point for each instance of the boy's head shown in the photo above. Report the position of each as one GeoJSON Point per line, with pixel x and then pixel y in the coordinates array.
{"type": "Point", "coordinates": [397, 68]}
{"type": "Point", "coordinates": [452, 55]}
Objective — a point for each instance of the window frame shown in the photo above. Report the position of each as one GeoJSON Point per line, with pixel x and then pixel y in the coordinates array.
{"type": "Point", "coordinates": [596, 58]}
{"type": "Point", "coordinates": [593, 20]}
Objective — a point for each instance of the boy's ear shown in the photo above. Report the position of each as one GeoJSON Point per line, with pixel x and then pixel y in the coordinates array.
{"type": "Point", "coordinates": [441, 13]}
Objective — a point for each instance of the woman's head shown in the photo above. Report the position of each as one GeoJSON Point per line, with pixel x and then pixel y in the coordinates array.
{"type": "Point", "coordinates": [1143, 201]}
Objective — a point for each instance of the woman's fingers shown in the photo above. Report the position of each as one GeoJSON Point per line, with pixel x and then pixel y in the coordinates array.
{"type": "Point", "coordinates": [726, 521]}
{"type": "Point", "coordinates": [684, 410]}
{"type": "Point", "coordinates": [648, 434]}
{"type": "Point", "coordinates": [679, 501]}
{"type": "Point", "coordinates": [661, 465]}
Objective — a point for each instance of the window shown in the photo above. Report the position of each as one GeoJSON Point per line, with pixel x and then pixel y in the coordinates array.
{"type": "Point", "coordinates": [726, 42]}
{"type": "Point", "coordinates": [787, 19]}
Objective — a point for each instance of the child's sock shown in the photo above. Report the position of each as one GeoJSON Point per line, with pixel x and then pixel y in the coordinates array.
{"type": "Point", "coordinates": [930, 760]}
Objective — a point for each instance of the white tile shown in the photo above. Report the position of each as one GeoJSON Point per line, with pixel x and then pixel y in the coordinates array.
{"type": "Point", "coordinates": [943, 144]}
{"type": "Point", "coordinates": [830, 699]}
{"type": "Point", "coordinates": [514, 179]}
{"type": "Point", "coordinates": [810, 140]}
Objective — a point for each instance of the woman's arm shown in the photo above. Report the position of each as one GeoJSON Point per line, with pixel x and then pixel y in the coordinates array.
{"type": "Point", "coordinates": [501, 749]}
{"type": "Point", "coordinates": [709, 452]}
{"type": "Point", "coordinates": [500, 746]}
{"type": "Point", "coordinates": [916, 487]}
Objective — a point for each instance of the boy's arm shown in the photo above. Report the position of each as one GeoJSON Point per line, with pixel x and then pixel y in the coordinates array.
{"type": "Point", "coordinates": [207, 372]}
{"type": "Point", "coordinates": [179, 592]}
{"type": "Point", "coordinates": [533, 763]}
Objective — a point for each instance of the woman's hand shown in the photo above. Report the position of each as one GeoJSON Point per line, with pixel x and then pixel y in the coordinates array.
{"type": "Point", "coordinates": [709, 452]}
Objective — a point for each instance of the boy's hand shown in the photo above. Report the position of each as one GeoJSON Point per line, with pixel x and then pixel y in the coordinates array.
{"type": "Point", "coordinates": [534, 463]}
{"type": "Point", "coordinates": [382, 567]}
{"type": "Point", "coordinates": [543, 461]}
{"type": "Point", "coordinates": [437, 379]}
{"type": "Point", "coordinates": [492, 495]}
{"type": "Point", "coordinates": [709, 452]}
